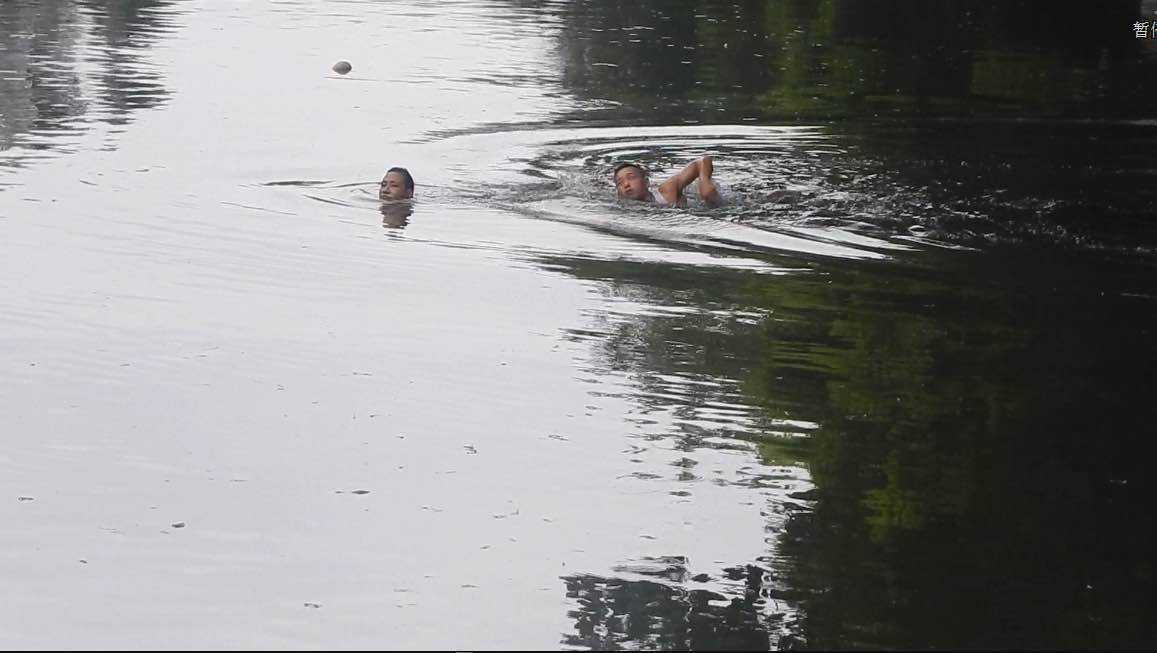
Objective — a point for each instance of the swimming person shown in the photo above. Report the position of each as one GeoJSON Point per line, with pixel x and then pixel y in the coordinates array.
{"type": "Point", "coordinates": [396, 185]}
{"type": "Point", "coordinates": [631, 183]}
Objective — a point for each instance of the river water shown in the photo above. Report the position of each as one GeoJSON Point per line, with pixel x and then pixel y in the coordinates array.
{"type": "Point", "coordinates": [895, 394]}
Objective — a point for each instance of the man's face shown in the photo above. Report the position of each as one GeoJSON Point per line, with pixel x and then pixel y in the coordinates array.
{"type": "Point", "coordinates": [631, 184]}
{"type": "Point", "coordinates": [394, 187]}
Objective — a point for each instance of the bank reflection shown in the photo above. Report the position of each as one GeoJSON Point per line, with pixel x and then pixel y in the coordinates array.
{"type": "Point", "coordinates": [65, 65]}
{"type": "Point", "coordinates": [717, 61]}
{"type": "Point", "coordinates": [975, 470]}
{"type": "Point", "coordinates": [974, 443]}
{"type": "Point", "coordinates": [615, 613]}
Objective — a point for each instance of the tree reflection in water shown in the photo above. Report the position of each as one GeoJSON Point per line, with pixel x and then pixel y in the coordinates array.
{"type": "Point", "coordinates": [52, 52]}
{"type": "Point", "coordinates": [977, 467]}
{"type": "Point", "coordinates": [977, 475]}
{"type": "Point", "coordinates": [715, 61]}
{"type": "Point", "coordinates": [615, 613]}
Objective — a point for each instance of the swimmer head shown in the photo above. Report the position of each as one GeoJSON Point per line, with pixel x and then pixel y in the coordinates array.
{"type": "Point", "coordinates": [396, 185]}
{"type": "Point", "coordinates": [631, 182]}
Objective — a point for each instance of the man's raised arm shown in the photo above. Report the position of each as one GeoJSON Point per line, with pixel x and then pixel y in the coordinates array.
{"type": "Point", "coordinates": [700, 169]}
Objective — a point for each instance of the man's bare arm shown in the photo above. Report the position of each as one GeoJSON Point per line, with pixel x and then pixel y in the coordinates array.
{"type": "Point", "coordinates": [700, 169]}
{"type": "Point", "coordinates": [707, 190]}
{"type": "Point", "coordinates": [672, 189]}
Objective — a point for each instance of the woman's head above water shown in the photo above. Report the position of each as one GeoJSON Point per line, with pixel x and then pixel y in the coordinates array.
{"type": "Point", "coordinates": [396, 185]}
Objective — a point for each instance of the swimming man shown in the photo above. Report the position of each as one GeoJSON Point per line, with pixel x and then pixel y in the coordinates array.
{"type": "Point", "coordinates": [396, 185]}
{"type": "Point", "coordinates": [631, 183]}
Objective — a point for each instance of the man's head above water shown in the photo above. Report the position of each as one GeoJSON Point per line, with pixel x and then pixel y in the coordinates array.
{"type": "Point", "coordinates": [396, 185]}
{"type": "Point", "coordinates": [631, 181]}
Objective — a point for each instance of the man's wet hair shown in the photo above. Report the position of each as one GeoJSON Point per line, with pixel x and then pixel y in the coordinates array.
{"type": "Point", "coordinates": [407, 180]}
{"type": "Point", "coordinates": [626, 164]}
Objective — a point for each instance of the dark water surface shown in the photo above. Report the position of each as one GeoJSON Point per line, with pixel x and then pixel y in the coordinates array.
{"type": "Point", "coordinates": [905, 403]}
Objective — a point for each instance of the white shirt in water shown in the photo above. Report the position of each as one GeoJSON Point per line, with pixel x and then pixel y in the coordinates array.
{"type": "Point", "coordinates": [658, 199]}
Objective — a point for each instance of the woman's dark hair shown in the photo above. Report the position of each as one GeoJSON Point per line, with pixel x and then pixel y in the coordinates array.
{"type": "Point", "coordinates": [407, 180]}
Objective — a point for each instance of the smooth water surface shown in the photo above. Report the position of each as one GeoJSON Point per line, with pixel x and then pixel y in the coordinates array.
{"type": "Point", "coordinates": [895, 394]}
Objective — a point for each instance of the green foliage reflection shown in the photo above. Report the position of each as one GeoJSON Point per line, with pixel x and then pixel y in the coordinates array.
{"type": "Point", "coordinates": [817, 59]}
